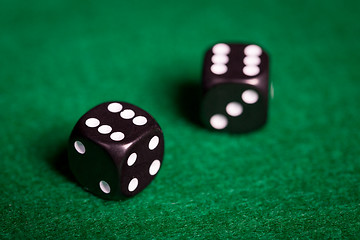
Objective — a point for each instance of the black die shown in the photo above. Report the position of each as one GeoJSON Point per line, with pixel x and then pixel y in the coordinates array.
{"type": "Point", "coordinates": [115, 150]}
{"type": "Point", "coordinates": [236, 87]}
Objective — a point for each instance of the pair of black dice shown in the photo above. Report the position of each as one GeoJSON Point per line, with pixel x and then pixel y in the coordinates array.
{"type": "Point", "coordinates": [116, 149]}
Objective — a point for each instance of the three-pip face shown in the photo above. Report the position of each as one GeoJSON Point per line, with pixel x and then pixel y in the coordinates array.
{"type": "Point", "coordinates": [235, 84]}
{"type": "Point", "coordinates": [115, 150]}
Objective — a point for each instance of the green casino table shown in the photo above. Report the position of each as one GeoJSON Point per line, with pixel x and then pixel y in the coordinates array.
{"type": "Point", "coordinates": [297, 177]}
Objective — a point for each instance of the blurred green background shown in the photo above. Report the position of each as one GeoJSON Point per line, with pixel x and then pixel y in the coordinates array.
{"type": "Point", "coordinates": [296, 178]}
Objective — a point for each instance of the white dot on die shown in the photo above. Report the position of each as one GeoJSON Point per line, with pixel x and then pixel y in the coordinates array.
{"type": "Point", "coordinates": [272, 90]}
{"type": "Point", "coordinates": [154, 142]}
{"type": "Point", "coordinates": [221, 59]}
{"type": "Point", "coordinates": [104, 186]}
{"type": "Point", "coordinates": [252, 60]}
{"type": "Point", "coordinates": [154, 167]}
{"type": "Point", "coordinates": [221, 48]}
{"type": "Point", "coordinates": [234, 109]}
{"type": "Point", "coordinates": [218, 69]}
{"type": "Point", "coordinates": [253, 50]}
{"type": "Point", "coordinates": [133, 184]}
{"type": "Point", "coordinates": [132, 159]}
{"type": "Point", "coordinates": [104, 129]}
{"type": "Point", "coordinates": [117, 136]}
{"type": "Point", "coordinates": [79, 147]}
{"type": "Point", "coordinates": [251, 70]}
{"type": "Point", "coordinates": [218, 121]}
{"type": "Point", "coordinates": [250, 96]}
{"type": "Point", "coordinates": [114, 107]}
{"type": "Point", "coordinates": [92, 122]}
{"type": "Point", "coordinates": [127, 114]}
{"type": "Point", "coordinates": [140, 120]}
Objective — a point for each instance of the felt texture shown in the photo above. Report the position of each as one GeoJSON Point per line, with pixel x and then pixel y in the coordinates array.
{"type": "Point", "coordinates": [298, 177]}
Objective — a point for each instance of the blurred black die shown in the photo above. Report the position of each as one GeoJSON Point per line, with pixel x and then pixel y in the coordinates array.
{"type": "Point", "coordinates": [236, 87]}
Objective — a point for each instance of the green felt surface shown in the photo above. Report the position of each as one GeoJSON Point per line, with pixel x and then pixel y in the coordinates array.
{"type": "Point", "coordinates": [296, 178]}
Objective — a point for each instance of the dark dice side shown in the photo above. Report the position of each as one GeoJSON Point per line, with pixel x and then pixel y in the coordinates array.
{"type": "Point", "coordinates": [115, 150]}
{"type": "Point", "coordinates": [236, 87]}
